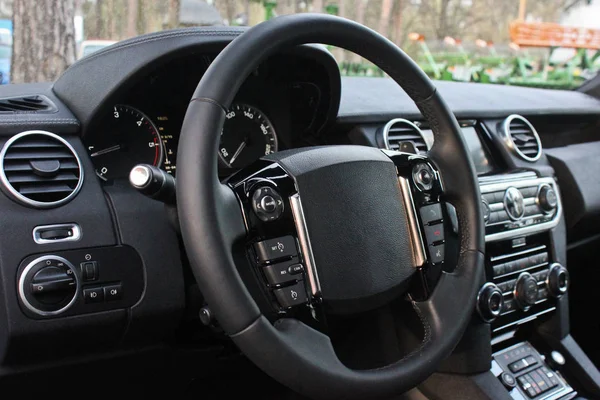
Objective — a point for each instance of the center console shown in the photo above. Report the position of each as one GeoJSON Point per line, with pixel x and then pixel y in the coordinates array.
{"type": "Point", "coordinates": [525, 279]}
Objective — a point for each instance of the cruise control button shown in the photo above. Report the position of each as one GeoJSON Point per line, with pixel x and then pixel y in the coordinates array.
{"type": "Point", "coordinates": [273, 249]}
{"type": "Point", "coordinates": [436, 253]}
{"type": "Point", "coordinates": [291, 295]}
{"type": "Point", "coordinates": [277, 274]}
{"type": "Point", "coordinates": [95, 295]}
{"type": "Point", "coordinates": [430, 213]}
{"type": "Point", "coordinates": [434, 233]}
{"type": "Point", "coordinates": [296, 269]}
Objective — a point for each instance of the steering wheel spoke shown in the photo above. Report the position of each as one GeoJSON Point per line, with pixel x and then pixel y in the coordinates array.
{"type": "Point", "coordinates": [277, 244]}
{"type": "Point", "coordinates": [431, 220]}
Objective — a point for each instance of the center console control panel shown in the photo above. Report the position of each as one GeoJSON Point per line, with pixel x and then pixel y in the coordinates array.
{"type": "Point", "coordinates": [515, 206]}
{"type": "Point", "coordinates": [66, 283]}
{"type": "Point", "coordinates": [524, 372]}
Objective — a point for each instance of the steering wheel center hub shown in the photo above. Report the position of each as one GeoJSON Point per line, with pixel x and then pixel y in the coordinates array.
{"type": "Point", "coordinates": [356, 221]}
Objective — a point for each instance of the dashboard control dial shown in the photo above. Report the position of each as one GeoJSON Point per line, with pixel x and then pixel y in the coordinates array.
{"type": "Point", "coordinates": [48, 285]}
{"type": "Point", "coordinates": [247, 136]}
{"type": "Point", "coordinates": [526, 291]}
{"type": "Point", "coordinates": [558, 280]}
{"type": "Point", "coordinates": [514, 204]}
{"type": "Point", "coordinates": [547, 199]}
{"type": "Point", "coordinates": [489, 302]}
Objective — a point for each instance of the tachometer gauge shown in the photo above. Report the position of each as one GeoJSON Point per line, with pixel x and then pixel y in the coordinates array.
{"type": "Point", "coordinates": [129, 138]}
{"type": "Point", "coordinates": [247, 135]}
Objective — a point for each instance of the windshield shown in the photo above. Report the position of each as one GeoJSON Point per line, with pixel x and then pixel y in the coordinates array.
{"type": "Point", "coordinates": [539, 43]}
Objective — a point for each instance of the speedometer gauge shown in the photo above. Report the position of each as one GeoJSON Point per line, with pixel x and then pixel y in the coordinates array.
{"type": "Point", "coordinates": [128, 138]}
{"type": "Point", "coordinates": [247, 135]}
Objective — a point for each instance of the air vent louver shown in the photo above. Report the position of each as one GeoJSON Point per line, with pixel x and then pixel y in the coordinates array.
{"type": "Point", "coordinates": [40, 169]}
{"type": "Point", "coordinates": [402, 135]}
{"type": "Point", "coordinates": [522, 137]}
{"type": "Point", "coordinates": [26, 104]}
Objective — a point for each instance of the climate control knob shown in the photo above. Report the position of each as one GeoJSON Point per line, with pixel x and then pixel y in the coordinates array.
{"type": "Point", "coordinates": [547, 198]}
{"type": "Point", "coordinates": [558, 280]}
{"type": "Point", "coordinates": [526, 291]}
{"type": "Point", "coordinates": [489, 302]}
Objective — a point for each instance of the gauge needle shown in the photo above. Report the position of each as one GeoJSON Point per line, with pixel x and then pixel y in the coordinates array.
{"type": "Point", "coordinates": [237, 152]}
{"type": "Point", "coordinates": [107, 150]}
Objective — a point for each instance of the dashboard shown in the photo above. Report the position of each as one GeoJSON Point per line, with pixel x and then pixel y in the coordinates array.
{"type": "Point", "coordinates": [132, 111]}
{"type": "Point", "coordinates": [284, 104]}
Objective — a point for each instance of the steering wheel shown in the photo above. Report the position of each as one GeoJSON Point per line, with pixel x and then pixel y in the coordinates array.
{"type": "Point", "coordinates": [349, 214]}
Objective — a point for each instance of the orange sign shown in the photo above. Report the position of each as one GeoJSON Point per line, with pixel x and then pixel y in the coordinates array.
{"type": "Point", "coordinates": [542, 34]}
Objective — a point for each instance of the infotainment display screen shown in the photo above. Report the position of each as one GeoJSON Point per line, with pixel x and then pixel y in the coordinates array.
{"type": "Point", "coordinates": [479, 154]}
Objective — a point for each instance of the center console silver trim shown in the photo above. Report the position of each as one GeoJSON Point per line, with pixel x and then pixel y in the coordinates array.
{"type": "Point", "coordinates": [303, 238]}
{"type": "Point", "coordinates": [526, 230]}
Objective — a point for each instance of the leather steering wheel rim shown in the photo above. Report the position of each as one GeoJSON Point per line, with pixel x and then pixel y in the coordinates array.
{"type": "Point", "coordinates": [211, 221]}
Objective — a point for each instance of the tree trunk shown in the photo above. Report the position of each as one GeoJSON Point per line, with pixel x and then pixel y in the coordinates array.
{"type": "Point", "coordinates": [398, 23]}
{"type": "Point", "coordinates": [99, 31]}
{"type": "Point", "coordinates": [43, 39]}
{"type": "Point", "coordinates": [384, 18]}
{"type": "Point", "coordinates": [361, 9]}
{"type": "Point", "coordinates": [132, 17]}
{"type": "Point", "coordinates": [174, 13]}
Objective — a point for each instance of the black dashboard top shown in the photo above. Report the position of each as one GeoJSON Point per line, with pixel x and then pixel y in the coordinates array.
{"type": "Point", "coordinates": [375, 100]}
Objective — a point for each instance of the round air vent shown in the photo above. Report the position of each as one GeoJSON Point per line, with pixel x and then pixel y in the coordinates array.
{"type": "Point", "coordinates": [522, 138]}
{"type": "Point", "coordinates": [402, 135]}
{"type": "Point", "coordinates": [40, 169]}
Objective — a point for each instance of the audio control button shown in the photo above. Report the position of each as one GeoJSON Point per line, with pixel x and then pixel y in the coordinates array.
{"type": "Point", "coordinates": [430, 213]}
{"type": "Point", "coordinates": [434, 233]}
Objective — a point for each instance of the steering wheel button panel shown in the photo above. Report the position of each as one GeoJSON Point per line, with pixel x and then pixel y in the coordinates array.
{"type": "Point", "coordinates": [291, 295]}
{"type": "Point", "coordinates": [274, 249]}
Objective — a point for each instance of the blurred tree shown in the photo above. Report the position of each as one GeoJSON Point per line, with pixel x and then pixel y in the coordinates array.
{"type": "Point", "coordinates": [173, 13]}
{"type": "Point", "coordinates": [384, 18]}
{"type": "Point", "coordinates": [132, 18]}
{"type": "Point", "coordinates": [317, 6]}
{"type": "Point", "coordinates": [99, 26]}
{"type": "Point", "coordinates": [43, 39]}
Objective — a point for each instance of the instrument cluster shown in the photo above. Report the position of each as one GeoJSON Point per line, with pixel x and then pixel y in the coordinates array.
{"type": "Point", "coordinates": [276, 108]}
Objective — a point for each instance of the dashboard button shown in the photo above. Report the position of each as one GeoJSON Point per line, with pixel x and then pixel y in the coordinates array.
{"type": "Point", "coordinates": [434, 233]}
{"type": "Point", "coordinates": [95, 295]}
{"type": "Point", "coordinates": [113, 292]}
{"type": "Point", "coordinates": [436, 253]}
{"type": "Point", "coordinates": [291, 295]}
{"type": "Point", "coordinates": [430, 213]}
{"type": "Point", "coordinates": [273, 249]}
{"type": "Point", "coordinates": [89, 271]}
